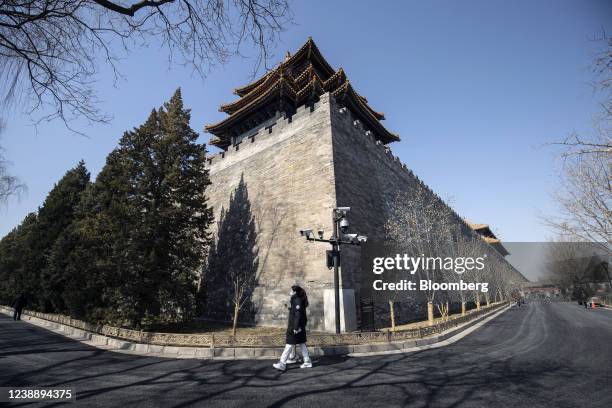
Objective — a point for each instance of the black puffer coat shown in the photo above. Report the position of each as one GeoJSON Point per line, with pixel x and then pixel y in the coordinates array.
{"type": "Point", "coordinates": [297, 321]}
{"type": "Point", "coordinates": [20, 302]}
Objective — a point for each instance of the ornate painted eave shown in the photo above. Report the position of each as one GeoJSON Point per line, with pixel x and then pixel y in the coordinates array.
{"type": "Point", "coordinates": [300, 79]}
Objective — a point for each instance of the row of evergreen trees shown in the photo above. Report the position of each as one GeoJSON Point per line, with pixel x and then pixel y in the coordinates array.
{"type": "Point", "coordinates": [126, 248]}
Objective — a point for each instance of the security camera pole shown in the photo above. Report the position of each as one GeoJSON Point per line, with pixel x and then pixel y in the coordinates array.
{"type": "Point", "coordinates": [341, 225]}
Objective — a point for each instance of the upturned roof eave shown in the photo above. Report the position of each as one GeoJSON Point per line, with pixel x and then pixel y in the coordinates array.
{"type": "Point", "coordinates": [258, 93]}
{"type": "Point", "coordinates": [218, 127]}
{"type": "Point", "coordinates": [309, 46]}
{"type": "Point", "coordinates": [272, 80]}
{"type": "Point", "coordinates": [383, 134]}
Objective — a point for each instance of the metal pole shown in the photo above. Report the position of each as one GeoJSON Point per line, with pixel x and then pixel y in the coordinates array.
{"type": "Point", "coordinates": [337, 289]}
{"type": "Point", "coordinates": [335, 251]}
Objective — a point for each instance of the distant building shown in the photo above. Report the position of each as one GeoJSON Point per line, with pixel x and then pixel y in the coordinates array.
{"type": "Point", "coordinates": [548, 290]}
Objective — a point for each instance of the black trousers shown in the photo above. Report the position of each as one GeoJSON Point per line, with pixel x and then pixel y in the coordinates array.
{"type": "Point", "coordinates": [17, 314]}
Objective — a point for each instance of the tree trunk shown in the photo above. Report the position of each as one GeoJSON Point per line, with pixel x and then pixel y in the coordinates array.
{"type": "Point", "coordinates": [392, 314]}
{"type": "Point", "coordinates": [430, 316]}
{"type": "Point", "coordinates": [463, 308]}
{"type": "Point", "coordinates": [478, 301]}
{"type": "Point", "coordinates": [236, 310]}
{"type": "Point", "coordinates": [488, 299]}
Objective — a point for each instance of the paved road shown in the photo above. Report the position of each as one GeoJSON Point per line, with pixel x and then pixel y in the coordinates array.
{"type": "Point", "coordinates": [557, 355]}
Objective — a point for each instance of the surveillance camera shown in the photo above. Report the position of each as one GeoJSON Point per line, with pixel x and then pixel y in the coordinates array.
{"type": "Point", "coordinates": [343, 209]}
{"type": "Point", "coordinates": [362, 238]}
{"type": "Point", "coordinates": [344, 225]}
{"type": "Point", "coordinates": [351, 238]}
{"type": "Point", "coordinates": [305, 232]}
{"type": "Point", "coordinates": [320, 233]}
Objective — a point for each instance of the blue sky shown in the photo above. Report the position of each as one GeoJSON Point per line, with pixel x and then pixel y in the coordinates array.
{"type": "Point", "coordinates": [476, 89]}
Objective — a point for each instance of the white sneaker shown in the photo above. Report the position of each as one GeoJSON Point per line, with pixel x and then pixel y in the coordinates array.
{"type": "Point", "coordinates": [279, 366]}
{"type": "Point", "coordinates": [306, 364]}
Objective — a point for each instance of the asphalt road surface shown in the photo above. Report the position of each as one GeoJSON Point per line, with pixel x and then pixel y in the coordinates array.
{"type": "Point", "coordinates": [539, 355]}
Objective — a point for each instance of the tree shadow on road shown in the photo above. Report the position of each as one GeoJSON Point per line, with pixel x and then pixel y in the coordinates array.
{"type": "Point", "coordinates": [465, 374]}
{"type": "Point", "coordinates": [422, 379]}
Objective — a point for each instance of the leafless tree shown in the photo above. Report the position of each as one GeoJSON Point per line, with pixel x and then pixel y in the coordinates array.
{"type": "Point", "coordinates": [563, 262]}
{"type": "Point", "coordinates": [243, 283]}
{"type": "Point", "coordinates": [498, 280]}
{"type": "Point", "coordinates": [50, 49]}
{"type": "Point", "coordinates": [9, 184]}
{"type": "Point", "coordinates": [464, 245]}
{"type": "Point", "coordinates": [420, 224]}
{"type": "Point", "coordinates": [574, 265]}
{"type": "Point", "coordinates": [585, 196]}
{"type": "Point", "coordinates": [478, 248]}
{"type": "Point", "coordinates": [500, 276]}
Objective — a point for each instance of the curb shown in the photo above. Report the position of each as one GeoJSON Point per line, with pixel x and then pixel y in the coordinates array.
{"type": "Point", "coordinates": [262, 353]}
{"type": "Point", "coordinates": [440, 340]}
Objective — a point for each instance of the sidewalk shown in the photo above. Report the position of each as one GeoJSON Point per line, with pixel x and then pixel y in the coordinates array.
{"type": "Point", "coordinates": [374, 348]}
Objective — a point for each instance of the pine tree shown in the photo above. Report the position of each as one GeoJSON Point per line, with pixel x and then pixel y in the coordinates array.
{"type": "Point", "coordinates": [19, 262]}
{"type": "Point", "coordinates": [85, 255]}
{"type": "Point", "coordinates": [172, 236]}
{"type": "Point", "coordinates": [81, 258]}
{"type": "Point", "coordinates": [147, 222]}
{"type": "Point", "coordinates": [183, 216]}
{"type": "Point", "coordinates": [98, 255]}
{"type": "Point", "coordinates": [57, 211]}
{"type": "Point", "coordinates": [129, 247]}
{"type": "Point", "coordinates": [25, 252]}
{"type": "Point", "coordinates": [7, 266]}
{"type": "Point", "coordinates": [54, 217]}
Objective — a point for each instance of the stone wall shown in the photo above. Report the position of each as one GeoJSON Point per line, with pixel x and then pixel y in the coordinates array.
{"type": "Point", "coordinates": [296, 172]}
{"type": "Point", "coordinates": [368, 177]}
{"type": "Point", "coordinates": [288, 173]}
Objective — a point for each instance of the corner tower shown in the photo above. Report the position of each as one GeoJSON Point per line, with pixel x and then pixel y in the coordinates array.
{"type": "Point", "coordinates": [292, 141]}
{"type": "Point", "coordinates": [299, 80]}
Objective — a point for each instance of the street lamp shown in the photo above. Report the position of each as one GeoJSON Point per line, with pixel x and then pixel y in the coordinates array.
{"type": "Point", "coordinates": [340, 236]}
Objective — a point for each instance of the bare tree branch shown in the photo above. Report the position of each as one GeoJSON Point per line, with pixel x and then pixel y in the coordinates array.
{"type": "Point", "coordinates": [9, 185]}
{"type": "Point", "coordinates": [50, 50]}
{"type": "Point", "coordinates": [585, 196]}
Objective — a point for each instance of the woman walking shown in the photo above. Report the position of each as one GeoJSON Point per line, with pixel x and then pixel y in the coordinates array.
{"type": "Point", "coordinates": [296, 330]}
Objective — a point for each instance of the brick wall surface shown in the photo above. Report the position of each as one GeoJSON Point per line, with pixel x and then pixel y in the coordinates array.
{"type": "Point", "coordinates": [288, 173]}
